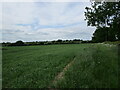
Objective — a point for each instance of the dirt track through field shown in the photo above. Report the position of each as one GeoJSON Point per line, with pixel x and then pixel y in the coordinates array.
{"type": "Point", "coordinates": [61, 74]}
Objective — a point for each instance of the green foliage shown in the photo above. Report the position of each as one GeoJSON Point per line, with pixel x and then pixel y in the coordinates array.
{"type": "Point", "coordinates": [19, 43]}
{"type": "Point", "coordinates": [103, 34]}
{"type": "Point", "coordinates": [59, 41]}
{"type": "Point", "coordinates": [105, 15]}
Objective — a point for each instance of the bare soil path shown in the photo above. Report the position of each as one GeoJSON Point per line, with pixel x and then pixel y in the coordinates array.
{"type": "Point", "coordinates": [61, 74]}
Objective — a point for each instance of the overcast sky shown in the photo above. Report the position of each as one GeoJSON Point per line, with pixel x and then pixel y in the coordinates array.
{"type": "Point", "coordinates": [41, 21]}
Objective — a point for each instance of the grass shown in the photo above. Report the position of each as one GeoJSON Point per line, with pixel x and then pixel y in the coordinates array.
{"type": "Point", "coordinates": [94, 66]}
{"type": "Point", "coordinates": [115, 42]}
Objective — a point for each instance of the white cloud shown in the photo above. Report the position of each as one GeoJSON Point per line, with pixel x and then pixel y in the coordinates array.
{"type": "Point", "coordinates": [0, 22]}
{"type": "Point", "coordinates": [53, 13]}
{"type": "Point", "coordinates": [49, 34]}
{"type": "Point", "coordinates": [44, 21]}
{"type": "Point", "coordinates": [14, 13]}
{"type": "Point", "coordinates": [44, 1]}
{"type": "Point", "coordinates": [49, 13]}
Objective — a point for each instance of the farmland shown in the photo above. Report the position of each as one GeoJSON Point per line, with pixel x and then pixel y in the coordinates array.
{"type": "Point", "coordinates": [60, 66]}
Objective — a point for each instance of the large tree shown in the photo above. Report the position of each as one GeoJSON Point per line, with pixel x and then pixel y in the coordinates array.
{"type": "Point", "coordinates": [104, 15]}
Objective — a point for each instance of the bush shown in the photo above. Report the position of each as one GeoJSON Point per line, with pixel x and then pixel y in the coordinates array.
{"type": "Point", "coordinates": [18, 43]}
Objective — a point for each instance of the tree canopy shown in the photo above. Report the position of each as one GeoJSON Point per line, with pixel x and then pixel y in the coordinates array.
{"type": "Point", "coordinates": [105, 16]}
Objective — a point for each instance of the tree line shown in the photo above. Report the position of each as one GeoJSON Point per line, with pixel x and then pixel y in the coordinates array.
{"type": "Point", "coordinates": [59, 41]}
